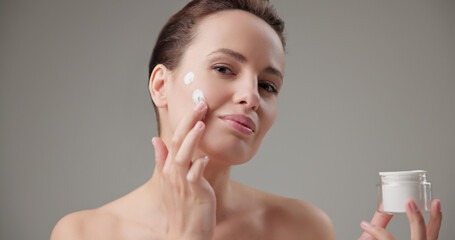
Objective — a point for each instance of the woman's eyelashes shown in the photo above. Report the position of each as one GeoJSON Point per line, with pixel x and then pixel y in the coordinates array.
{"type": "Point", "coordinates": [268, 87]}
{"type": "Point", "coordinates": [223, 69]}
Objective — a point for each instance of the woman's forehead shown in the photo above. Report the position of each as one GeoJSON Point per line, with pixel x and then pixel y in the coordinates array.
{"type": "Point", "coordinates": [240, 32]}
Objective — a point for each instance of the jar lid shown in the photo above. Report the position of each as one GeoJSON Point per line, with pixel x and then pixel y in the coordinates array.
{"type": "Point", "coordinates": [401, 173]}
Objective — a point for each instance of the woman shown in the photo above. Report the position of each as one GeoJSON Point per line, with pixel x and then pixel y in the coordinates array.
{"type": "Point", "coordinates": [231, 52]}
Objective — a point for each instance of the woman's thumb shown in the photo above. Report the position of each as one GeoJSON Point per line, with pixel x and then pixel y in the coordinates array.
{"type": "Point", "coordinates": [160, 153]}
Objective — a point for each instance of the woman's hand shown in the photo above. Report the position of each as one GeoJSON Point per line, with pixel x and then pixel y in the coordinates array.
{"type": "Point", "coordinates": [376, 229]}
{"type": "Point", "coordinates": [189, 199]}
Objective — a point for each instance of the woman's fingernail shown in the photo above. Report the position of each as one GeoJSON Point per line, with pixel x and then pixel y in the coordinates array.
{"type": "Point", "coordinates": [438, 206]}
{"type": "Point", "coordinates": [413, 206]}
{"type": "Point", "coordinates": [199, 107]}
{"type": "Point", "coordinates": [205, 160]}
{"type": "Point", "coordinates": [199, 125]}
{"type": "Point", "coordinates": [365, 224]}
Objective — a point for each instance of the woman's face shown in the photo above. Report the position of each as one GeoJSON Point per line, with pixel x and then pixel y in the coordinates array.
{"type": "Point", "coordinates": [238, 62]}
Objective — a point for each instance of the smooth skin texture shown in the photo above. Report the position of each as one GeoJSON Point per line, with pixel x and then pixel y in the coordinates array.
{"type": "Point", "coordinates": [239, 62]}
{"type": "Point", "coordinates": [376, 228]}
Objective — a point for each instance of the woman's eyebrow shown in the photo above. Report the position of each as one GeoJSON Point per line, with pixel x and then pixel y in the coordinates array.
{"type": "Point", "coordinates": [239, 57]}
{"type": "Point", "coordinates": [231, 53]}
{"type": "Point", "coordinates": [274, 71]}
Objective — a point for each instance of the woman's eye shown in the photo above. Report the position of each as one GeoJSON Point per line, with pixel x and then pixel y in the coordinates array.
{"type": "Point", "coordinates": [268, 87]}
{"type": "Point", "coordinates": [223, 70]}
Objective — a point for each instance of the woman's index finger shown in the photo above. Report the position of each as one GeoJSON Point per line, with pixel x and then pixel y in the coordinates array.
{"type": "Point", "coordinates": [187, 123]}
{"type": "Point", "coordinates": [378, 219]}
{"type": "Point", "coordinates": [381, 219]}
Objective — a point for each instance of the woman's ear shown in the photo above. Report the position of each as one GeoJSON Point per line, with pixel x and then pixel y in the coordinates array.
{"type": "Point", "coordinates": [157, 85]}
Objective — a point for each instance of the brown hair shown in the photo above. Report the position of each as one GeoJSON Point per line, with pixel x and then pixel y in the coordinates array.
{"type": "Point", "coordinates": [177, 33]}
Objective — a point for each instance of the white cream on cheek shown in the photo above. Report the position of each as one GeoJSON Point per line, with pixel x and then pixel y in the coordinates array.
{"type": "Point", "coordinates": [198, 96]}
{"type": "Point", "coordinates": [189, 78]}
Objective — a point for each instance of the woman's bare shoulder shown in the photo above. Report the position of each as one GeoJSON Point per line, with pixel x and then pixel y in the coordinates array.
{"type": "Point", "coordinates": [84, 224]}
{"type": "Point", "coordinates": [297, 219]}
{"type": "Point", "coordinates": [289, 218]}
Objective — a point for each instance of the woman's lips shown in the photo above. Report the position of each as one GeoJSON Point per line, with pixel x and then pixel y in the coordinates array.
{"type": "Point", "coordinates": [240, 123]}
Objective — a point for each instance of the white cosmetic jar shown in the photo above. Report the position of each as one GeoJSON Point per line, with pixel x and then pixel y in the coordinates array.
{"type": "Point", "coordinates": [396, 188]}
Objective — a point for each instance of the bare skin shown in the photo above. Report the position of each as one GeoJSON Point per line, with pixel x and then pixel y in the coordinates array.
{"type": "Point", "coordinates": [125, 218]}
{"type": "Point", "coordinates": [238, 62]}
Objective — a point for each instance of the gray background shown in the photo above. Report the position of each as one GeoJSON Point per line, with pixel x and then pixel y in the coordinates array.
{"type": "Point", "coordinates": [369, 87]}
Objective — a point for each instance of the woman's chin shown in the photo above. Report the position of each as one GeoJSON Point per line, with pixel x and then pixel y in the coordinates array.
{"type": "Point", "coordinates": [229, 149]}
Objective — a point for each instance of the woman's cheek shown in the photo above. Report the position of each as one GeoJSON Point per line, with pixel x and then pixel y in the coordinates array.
{"type": "Point", "coordinates": [201, 86]}
{"type": "Point", "coordinates": [269, 112]}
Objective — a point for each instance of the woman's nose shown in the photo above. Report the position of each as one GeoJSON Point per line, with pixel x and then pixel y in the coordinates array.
{"type": "Point", "coordinates": [247, 94]}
